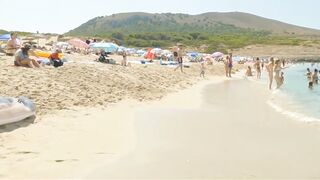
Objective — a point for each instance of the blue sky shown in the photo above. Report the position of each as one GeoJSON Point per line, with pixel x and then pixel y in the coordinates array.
{"type": "Point", "coordinates": [59, 16]}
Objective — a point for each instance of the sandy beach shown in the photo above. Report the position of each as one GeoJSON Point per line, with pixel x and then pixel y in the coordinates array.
{"type": "Point", "coordinates": [190, 133]}
{"type": "Point", "coordinates": [85, 83]}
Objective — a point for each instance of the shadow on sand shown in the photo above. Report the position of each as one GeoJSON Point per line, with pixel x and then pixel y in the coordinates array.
{"type": "Point", "coordinates": [13, 126]}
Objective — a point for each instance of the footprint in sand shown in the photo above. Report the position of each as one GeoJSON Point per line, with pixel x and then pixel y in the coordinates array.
{"type": "Point", "coordinates": [66, 160]}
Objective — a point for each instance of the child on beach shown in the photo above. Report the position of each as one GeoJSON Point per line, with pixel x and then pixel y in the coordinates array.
{"type": "Point", "coordinates": [124, 60]}
{"type": "Point", "coordinates": [202, 69]}
{"type": "Point", "coordinates": [310, 84]}
{"type": "Point", "coordinates": [249, 71]}
{"type": "Point", "coordinates": [55, 59]}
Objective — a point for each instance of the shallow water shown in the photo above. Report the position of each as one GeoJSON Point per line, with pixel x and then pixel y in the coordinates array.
{"type": "Point", "coordinates": [295, 95]}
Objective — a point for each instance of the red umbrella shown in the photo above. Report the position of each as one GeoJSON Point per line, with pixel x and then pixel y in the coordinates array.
{"type": "Point", "coordinates": [78, 43]}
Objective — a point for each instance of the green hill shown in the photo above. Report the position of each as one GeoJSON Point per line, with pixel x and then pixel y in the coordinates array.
{"type": "Point", "coordinates": [219, 31]}
{"type": "Point", "coordinates": [3, 31]}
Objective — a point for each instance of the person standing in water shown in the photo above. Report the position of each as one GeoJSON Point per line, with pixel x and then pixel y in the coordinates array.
{"type": "Point", "coordinates": [269, 68]}
{"type": "Point", "coordinates": [308, 74]}
{"type": "Point", "coordinates": [277, 70]}
{"type": "Point", "coordinates": [282, 78]}
{"type": "Point", "coordinates": [314, 77]}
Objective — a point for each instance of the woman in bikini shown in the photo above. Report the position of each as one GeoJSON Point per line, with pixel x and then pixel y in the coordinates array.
{"type": "Point", "coordinates": [269, 68]}
{"type": "Point", "coordinates": [258, 68]}
{"type": "Point", "coordinates": [277, 70]}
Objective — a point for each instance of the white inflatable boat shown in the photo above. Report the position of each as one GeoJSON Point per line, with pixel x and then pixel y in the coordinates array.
{"type": "Point", "coordinates": [15, 109]}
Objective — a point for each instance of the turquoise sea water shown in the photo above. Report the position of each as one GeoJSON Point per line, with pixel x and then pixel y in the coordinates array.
{"type": "Point", "coordinates": [295, 96]}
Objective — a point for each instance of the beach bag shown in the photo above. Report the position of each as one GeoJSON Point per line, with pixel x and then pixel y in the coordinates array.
{"type": "Point", "coordinates": [102, 59]}
{"type": "Point", "coordinates": [57, 63]}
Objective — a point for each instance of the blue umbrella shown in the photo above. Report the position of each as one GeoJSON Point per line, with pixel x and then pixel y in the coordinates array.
{"type": "Point", "coordinates": [193, 54]}
{"type": "Point", "coordinates": [4, 37]}
{"type": "Point", "coordinates": [108, 47]}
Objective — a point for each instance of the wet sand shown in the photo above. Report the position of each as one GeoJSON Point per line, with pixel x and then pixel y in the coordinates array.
{"type": "Point", "coordinates": [234, 134]}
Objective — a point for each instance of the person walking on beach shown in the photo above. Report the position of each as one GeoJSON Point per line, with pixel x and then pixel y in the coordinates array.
{"type": "Point", "coordinates": [262, 65]}
{"type": "Point", "coordinates": [202, 69]}
{"type": "Point", "coordinates": [257, 65]}
{"type": "Point", "coordinates": [269, 68]}
{"type": "Point", "coordinates": [180, 64]}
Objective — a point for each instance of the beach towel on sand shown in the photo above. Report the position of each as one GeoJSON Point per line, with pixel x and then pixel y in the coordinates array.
{"type": "Point", "coordinates": [15, 109]}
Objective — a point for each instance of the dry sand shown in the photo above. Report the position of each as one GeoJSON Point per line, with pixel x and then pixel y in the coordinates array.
{"type": "Point", "coordinates": [284, 51]}
{"type": "Point", "coordinates": [211, 130]}
{"type": "Point", "coordinates": [84, 83]}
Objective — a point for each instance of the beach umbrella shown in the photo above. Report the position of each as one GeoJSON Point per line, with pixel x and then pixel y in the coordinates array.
{"type": "Point", "coordinates": [141, 52]}
{"type": "Point", "coordinates": [217, 54]}
{"type": "Point", "coordinates": [107, 47]}
{"type": "Point", "coordinates": [4, 37]}
{"type": "Point", "coordinates": [156, 50]}
{"type": "Point", "coordinates": [192, 54]}
{"type": "Point", "coordinates": [62, 44]}
{"type": "Point", "coordinates": [78, 43]}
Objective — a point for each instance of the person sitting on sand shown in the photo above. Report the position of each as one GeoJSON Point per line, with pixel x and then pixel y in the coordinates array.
{"type": "Point", "coordinates": [55, 59]}
{"type": "Point", "coordinates": [202, 69]}
{"type": "Point", "coordinates": [269, 68]}
{"type": "Point", "coordinates": [314, 77]}
{"type": "Point", "coordinates": [22, 58]}
{"type": "Point", "coordinates": [249, 71]}
{"type": "Point", "coordinates": [12, 45]}
{"type": "Point", "coordinates": [103, 57]}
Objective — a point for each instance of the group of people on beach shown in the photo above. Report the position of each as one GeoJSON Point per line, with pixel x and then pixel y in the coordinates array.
{"type": "Point", "coordinates": [273, 68]}
{"type": "Point", "coordinates": [274, 71]}
{"type": "Point", "coordinates": [312, 77]}
{"type": "Point", "coordinates": [23, 52]}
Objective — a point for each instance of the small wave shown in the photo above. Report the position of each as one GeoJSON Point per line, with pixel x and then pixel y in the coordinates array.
{"type": "Point", "coordinates": [294, 115]}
